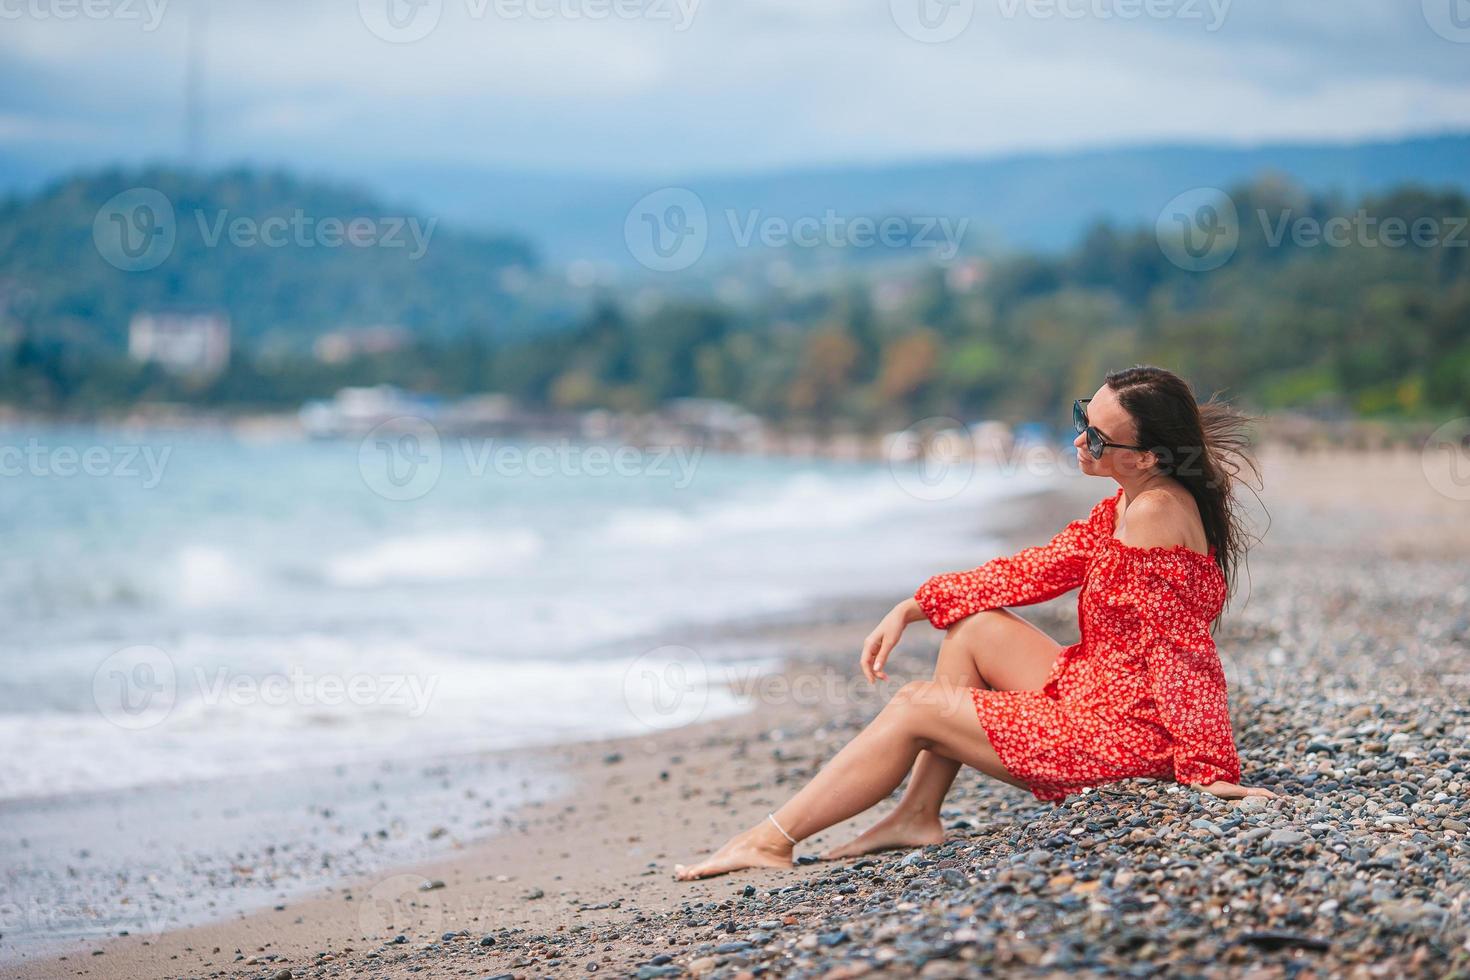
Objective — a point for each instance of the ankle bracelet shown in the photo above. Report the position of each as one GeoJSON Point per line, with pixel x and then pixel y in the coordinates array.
{"type": "Point", "coordinates": [772, 817]}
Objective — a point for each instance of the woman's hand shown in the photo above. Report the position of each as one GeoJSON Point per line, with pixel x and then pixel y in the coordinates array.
{"type": "Point", "coordinates": [1231, 791]}
{"type": "Point", "coordinates": [885, 637]}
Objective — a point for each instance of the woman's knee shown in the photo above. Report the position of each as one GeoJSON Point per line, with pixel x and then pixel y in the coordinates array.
{"type": "Point", "coordinates": [915, 697]}
{"type": "Point", "coordinates": [919, 708]}
{"type": "Point", "coordinates": [977, 631]}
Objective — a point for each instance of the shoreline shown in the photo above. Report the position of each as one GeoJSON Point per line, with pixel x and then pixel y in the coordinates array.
{"type": "Point", "coordinates": [585, 880]}
{"type": "Point", "coordinates": [991, 441]}
{"type": "Point", "coordinates": [839, 623]}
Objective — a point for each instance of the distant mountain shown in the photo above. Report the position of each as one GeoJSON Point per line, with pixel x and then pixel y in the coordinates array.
{"type": "Point", "coordinates": [1031, 201]}
{"type": "Point", "coordinates": [462, 255]}
{"type": "Point", "coordinates": [286, 259]}
{"type": "Point", "coordinates": [23, 175]}
{"type": "Point", "coordinates": [1036, 201]}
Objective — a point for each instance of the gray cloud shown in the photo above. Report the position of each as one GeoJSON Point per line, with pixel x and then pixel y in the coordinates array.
{"type": "Point", "coordinates": [714, 84]}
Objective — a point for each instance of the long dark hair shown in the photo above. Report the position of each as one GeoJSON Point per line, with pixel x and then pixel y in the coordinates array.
{"type": "Point", "coordinates": [1206, 447]}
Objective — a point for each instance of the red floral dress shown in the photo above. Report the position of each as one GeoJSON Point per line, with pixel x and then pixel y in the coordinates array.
{"type": "Point", "coordinates": [1141, 694]}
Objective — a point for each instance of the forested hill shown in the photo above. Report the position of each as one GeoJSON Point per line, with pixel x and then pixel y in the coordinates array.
{"type": "Point", "coordinates": [287, 258]}
{"type": "Point", "coordinates": [1309, 303]}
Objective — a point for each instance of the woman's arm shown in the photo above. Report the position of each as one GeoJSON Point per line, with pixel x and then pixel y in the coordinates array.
{"type": "Point", "coordinates": [1031, 575]}
{"type": "Point", "coordinates": [885, 637]}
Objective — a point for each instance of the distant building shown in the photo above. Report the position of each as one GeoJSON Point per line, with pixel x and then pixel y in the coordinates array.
{"type": "Point", "coordinates": [341, 346]}
{"type": "Point", "coordinates": [189, 343]}
{"type": "Point", "coordinates": [491, 412]}
{"type": "Point", "coordinates": [967, 275]}
{"type": "Point", "coordinates": [714, 422]}
{"type": "Point", "coordinates": [357, 411]}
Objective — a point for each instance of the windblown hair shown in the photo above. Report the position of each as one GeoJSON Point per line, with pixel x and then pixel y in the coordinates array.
{"type": "Point", "coordinates": [1206, 447]}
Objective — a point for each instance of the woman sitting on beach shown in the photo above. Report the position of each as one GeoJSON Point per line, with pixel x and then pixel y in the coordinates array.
{"type": "Point", "coordinates": [1142, 693]}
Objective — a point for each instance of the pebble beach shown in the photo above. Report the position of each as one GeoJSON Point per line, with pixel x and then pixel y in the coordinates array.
{"type": "Point", "coordinates": [1347, 648]}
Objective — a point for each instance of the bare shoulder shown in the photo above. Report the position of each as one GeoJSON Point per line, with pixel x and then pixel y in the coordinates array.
{"type": "Point", "coordinates": [1160, 518]}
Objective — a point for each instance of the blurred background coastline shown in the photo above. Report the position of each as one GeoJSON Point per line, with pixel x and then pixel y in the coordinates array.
{"type": "Point", "coordinates": [1327, 308]}
{"type": "Point", "coordinates": [412, 411]}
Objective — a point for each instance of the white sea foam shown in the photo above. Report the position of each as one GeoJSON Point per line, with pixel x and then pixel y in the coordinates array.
{"type": "Point", "coordinates": [524, 610]}
{"type": "Point", "coordinates": [438, 557]}
{"type": "Point", "coordinates": [649, 527]}
{"type": "Point", "coordinates": [208, 576]}
{"type": "Point", "coordinates": [228, 723]}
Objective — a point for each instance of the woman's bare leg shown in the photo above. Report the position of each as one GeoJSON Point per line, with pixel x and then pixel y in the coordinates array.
{"type": "Point", "coordinates": [997, 650]}
{"type": "Point", "coordinates": [932, 715]}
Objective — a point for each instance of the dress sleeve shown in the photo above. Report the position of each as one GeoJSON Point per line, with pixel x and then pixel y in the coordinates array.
{"type": "Point", "coordinates": [1031, 575]}
{"type": "Point", "coordinates": [1187, 684]}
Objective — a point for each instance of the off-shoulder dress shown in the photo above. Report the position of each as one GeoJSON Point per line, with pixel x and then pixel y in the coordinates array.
{"type": "Point", "coordinates": [1141, 694]}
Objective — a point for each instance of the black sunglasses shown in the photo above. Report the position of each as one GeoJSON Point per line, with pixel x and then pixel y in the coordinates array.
{"type": "Point", "coordinates": [1095, 441]}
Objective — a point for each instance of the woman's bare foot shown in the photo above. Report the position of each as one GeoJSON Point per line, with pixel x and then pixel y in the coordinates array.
{"type": "Point", "coordinates": [898, 829]}
{"type": "Point", "coordinates": [753, 849]}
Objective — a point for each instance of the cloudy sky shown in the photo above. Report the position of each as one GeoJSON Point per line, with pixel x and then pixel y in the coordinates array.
{"type": "Point", "coordinates": [676, 86]}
